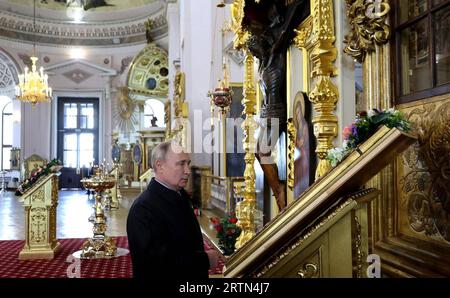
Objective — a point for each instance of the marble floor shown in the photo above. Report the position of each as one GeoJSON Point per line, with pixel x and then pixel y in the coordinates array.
{"type": "Point", "coordinates": [73, 211]}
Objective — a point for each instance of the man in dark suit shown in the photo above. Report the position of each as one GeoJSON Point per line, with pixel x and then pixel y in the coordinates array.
{"type": "Point", "coordinates": [164, 236]}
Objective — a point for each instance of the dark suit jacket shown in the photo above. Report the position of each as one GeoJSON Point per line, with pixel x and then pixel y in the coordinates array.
{"type": "Point", "coordinates": [164, 236]}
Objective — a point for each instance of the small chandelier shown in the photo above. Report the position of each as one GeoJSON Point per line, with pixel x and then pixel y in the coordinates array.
{"type": "Point", "coordinates": [33, 86]}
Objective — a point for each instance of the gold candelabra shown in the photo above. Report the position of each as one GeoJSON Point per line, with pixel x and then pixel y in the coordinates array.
{"type": "Point", "coordinates": [99, 246]}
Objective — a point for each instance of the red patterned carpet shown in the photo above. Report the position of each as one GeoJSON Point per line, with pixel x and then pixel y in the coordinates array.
{"type": "Point", "coordinates": [12, 267]}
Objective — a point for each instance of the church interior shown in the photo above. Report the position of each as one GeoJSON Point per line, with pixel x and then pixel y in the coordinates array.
{"type": "Point", "coordinates": [318, 133]}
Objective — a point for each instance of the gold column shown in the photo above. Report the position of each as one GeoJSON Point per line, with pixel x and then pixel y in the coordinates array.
{"type": "Point", "coordinates": [245, 210]}
{"type": "Point", "coordinates": [223, 141]}
{"type": "Point", "coordinates": [324, 94]}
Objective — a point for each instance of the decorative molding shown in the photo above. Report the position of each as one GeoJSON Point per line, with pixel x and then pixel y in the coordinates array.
{"type": "Point", "coordinates": [308, 270]}
{"type": "Point", "coordinates": [103, 71]}
{"type": "Point", "coordinates": [303, 33]}
{"type": "Point", "coordinates": [358, 253]}
{"type": "Point", "coordinates": [6, 78]}
{"type": "Point", "coordinates": [125, 63]}
{"type": "Point", "coordinates": [19, 27]}
{"type": "Point", "coordinates": [292, 136]}
{"type": "Point", "coordinates": [77, 75]}
{"type": "Point", "coordinates": [38, 227]}
{"type": "Point", "coordinates": [8, 72]}
{"type": "Point", "coordinates": [367, 19]}
{"type": "Point", "coordinates": [38, 196]}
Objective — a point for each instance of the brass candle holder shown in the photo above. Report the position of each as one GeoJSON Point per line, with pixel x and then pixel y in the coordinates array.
{"type": "Point", "coordinates": [99, 246]}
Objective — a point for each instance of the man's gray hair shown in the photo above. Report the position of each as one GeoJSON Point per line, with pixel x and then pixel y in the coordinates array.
{"type": "Point", "coordinates": [160, 152]}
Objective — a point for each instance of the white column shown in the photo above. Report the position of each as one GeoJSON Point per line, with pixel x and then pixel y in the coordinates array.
{"type": "Point", "coordinates": [107, 127]}
{"type": "Point", "coordinates": [36, 124]}
{"type": "Point", "coordinates": [345, 80]}
{"type": "Point", "coordinates": [196, 38]}
{"type": "Point", "coordinates": [173, 19]}
{"type": "Point", "coordinates": [17, 120]}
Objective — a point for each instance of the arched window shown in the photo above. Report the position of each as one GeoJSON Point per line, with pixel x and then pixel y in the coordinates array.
{"type": "Point", "coordinates": [154, 109]}
{"type": "Point", "coordinates": [6, 131]}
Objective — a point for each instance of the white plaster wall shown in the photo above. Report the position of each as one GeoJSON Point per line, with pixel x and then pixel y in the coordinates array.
{"type": "Point", "coordinates": [16, 123]}
{"type": "Point", "coordinates": [173, 20]}
{"type": "Point", "coordinates": [345, 80]}
{"type": "Point", "coordinates": [196, 36]}
{"type": "Point", "coordinates": [36, 130]}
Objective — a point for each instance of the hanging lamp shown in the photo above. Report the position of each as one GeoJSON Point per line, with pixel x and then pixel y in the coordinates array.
{"type": "Point", "coordinates": [33, 85]}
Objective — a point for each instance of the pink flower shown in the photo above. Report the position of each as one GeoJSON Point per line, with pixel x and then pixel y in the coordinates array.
{"type": "Point", "coordinates": [347, 132]}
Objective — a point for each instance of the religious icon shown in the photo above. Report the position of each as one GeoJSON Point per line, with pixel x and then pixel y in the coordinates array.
{"type": "Point", "coordinates": [137, 154]}
{"type": "Point", "coordinates": [304, 164]}
{"type": "Point", "coordinates": [15, 159]}
{"type": "Point", "coordinates": [115, 154]}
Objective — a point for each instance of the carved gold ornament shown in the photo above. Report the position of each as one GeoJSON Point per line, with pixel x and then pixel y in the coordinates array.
{"type": "Point", "coordinates": [245, 210]}
{"type": "Point", "coordinates": [426, 179]}
{"type": "Point", "coordinates": [237, 16]}
{"type": "Point", "coordinates": [358, 249]}
{"type": "Point", "coordinates": [324, 95]}
{"type": "Point", "coordinates": [367, 20]}
{"type": "Point", "coordinates": [126, 111]}
{"type": "Point", "coordinates": [292, 135]}
{"type": "Point", "coordinates": [303, 33]}
{"type": "Point", "coordinates": [38, 226]}
{"type": "Point", "coordinates": [309, 270]}
{"type": "Point", "coordinates": [179, 93]}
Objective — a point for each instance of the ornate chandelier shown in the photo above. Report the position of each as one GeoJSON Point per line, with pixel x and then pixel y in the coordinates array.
{"type": "Point", "coordinates": [33, 86]}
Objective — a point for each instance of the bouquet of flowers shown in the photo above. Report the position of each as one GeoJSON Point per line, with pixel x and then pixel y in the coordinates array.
{"type": "Point", "coordinates": [227, 232]}
{"type": "Point", "coordinates": [52, 167]}
{"type": "Point", "coordinates": [365, 126]}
